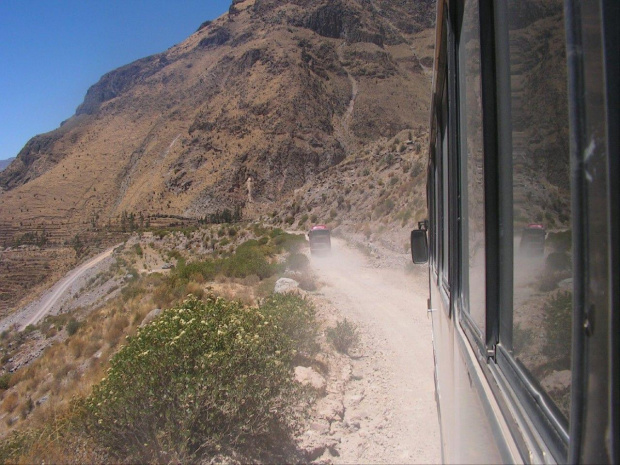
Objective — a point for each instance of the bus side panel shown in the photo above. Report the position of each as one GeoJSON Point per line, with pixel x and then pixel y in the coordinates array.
{"type": "Point", "coordinates": [467, 435]}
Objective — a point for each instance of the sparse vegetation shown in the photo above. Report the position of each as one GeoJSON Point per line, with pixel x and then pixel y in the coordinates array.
{"type": "Point", "coordinates": [72, 326]}
{"type": "Point", "coordinates": [5, 379]}
{"type": "Point", "coordinates": [344, 336]}
{"type": "Point", "coordinates": [138, 250]}
{"type": "Point", "coordinates": [297, 262]}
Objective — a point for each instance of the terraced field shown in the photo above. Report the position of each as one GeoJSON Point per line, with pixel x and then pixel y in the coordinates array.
{"type": "Point", "coordinates": [26, 270]}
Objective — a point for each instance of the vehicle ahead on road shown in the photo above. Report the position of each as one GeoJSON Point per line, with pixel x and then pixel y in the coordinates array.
{"type": "Point", "coordinates": [320, 240]}
{"type": "Point", "coordinates": [533, 240]}
{"type": "Point", "coordinates": [524, 125]}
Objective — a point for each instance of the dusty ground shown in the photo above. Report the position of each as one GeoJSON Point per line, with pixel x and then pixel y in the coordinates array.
{"type": "Point", "coordinates": [380, 406]}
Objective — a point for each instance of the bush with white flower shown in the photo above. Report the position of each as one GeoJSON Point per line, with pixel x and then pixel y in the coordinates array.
{"type": "Point", "coordinates": [206, 377]}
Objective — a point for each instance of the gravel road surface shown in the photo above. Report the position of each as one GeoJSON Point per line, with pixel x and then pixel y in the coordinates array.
{"type": "Point", "coordinates": [388, 412]}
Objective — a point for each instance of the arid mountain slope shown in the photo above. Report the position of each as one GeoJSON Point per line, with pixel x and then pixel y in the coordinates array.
{"type": "Point", "coordinates": [276, 90]}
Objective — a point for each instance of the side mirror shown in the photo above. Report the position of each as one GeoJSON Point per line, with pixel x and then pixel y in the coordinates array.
{"type": "Point", "coordinates": [419, 246]}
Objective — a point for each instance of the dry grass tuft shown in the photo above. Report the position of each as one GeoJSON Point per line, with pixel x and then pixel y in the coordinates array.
{"type": "Point", "coordinates": [10, 402]}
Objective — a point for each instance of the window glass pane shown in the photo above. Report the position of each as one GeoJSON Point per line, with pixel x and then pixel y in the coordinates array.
{"type": "Point", "coordinates": [472, 166]}
{"type": "Point", "coordinates": [437, 192]}
{"type": "Point", "coordinates": [433, 216]}
{"type": "Point", "coordinates": [445, 187]}
{"type": "Point", "coordinates": [541, 195]}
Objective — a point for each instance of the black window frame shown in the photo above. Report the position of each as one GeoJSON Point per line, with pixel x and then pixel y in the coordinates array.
{"type": "Point", "coordinates": [442, 130]}
{"type": "Point", "coordinates": [486, 343]}
{"type": "Point", "coordinates": [430, 196]}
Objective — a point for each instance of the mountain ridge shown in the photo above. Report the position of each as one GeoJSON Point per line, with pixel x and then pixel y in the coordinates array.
{"type": "Point", "coordinates": [5, 163]}
{"type": "Point", "coordinates": [257, 92]}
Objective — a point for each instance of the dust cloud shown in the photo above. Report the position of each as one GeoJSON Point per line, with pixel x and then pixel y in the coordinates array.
{"type": "Point", "coordinates": [390, 411]}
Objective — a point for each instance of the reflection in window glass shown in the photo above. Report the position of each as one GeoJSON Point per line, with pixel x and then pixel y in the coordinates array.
{"type": "Point", "coordinates": [445, 190]}
{"type": "Point", "coordinates": [472, 172]}
{"type": "Point", "coordinates": [541, 195]}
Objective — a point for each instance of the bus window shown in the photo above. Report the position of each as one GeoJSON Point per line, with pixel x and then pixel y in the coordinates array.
{"type": "Point", "coordinates": [541, 213]}
{"type": "Point", "coordinates": [472, 167]}
{"type": "Point", "coordinates": [445, 191]}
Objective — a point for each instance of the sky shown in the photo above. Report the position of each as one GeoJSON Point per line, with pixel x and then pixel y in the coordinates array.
{"type": "Point", "coordinates": [52, 51]}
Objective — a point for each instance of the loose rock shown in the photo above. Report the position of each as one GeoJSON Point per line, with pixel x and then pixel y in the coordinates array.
{"type": "Point", "coordinates": [284, 285]}
{"type": "Point", "coordinates": [307, 376]}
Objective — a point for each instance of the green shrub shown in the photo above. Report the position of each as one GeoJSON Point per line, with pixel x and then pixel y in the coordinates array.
{"type": "Point", "coordinates": [307, 282]}
{"type": "Point", "coordinates": [249, 244]}
{"type": "Point", "coordinates": [276, 232]}
{"type": "Point", "coordinates": [259, 230]}
{"type": "Point", "coordinates": [187, 271]}
{"type": "Point", "coordinates": [160, 233]}
{"type": "Point", "coordinates": [248, 261]}
{"type": "Point", "coordinates": [72, 326]}
{"type": "Point", "coordinates": [344, 336]}
{"type": "Point", "coordinates": [174, 255]}
{"type": "Point", "coordinates": [171, 290]}
{"type": "Point", "coordinates": [131, 291]}
{"type": "Point", "coordinates": [290, 242]}
{"type": "Point", "coordinates": [204, 378]}
{"type": "Point", "coordinates": [560, 241]}
{"type": "Point", "coordinates": [29, 329]}
{"type": "Point", "coordinates": [138, 250]}
{"type": "Point", "coordinates": [297, 261]}
{"type": "Point", "coordinates": [5, 380]}
{"type": "Point", "coordinates": [549, 281]}
{"type": "Point", "coordinates": [295, 318]}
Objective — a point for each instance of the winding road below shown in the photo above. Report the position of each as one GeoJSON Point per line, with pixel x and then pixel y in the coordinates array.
{"type": "Point", "coordinates": [31, 315]}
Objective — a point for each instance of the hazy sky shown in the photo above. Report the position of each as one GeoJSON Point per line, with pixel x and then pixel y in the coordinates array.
{"type": "Point", "coordinates": [52, 51]}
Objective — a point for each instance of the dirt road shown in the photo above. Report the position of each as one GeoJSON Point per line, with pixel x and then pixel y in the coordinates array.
{"type": "Point", "coordinates": [34, 312]}
{"type": "Point", "coordinates": [389, 406]}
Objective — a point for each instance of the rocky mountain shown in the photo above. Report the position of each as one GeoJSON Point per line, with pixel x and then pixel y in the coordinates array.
{"type": "Point", "coordinates": [5, 163]}
{"type": "Point", "coordinates": [276, 90]}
